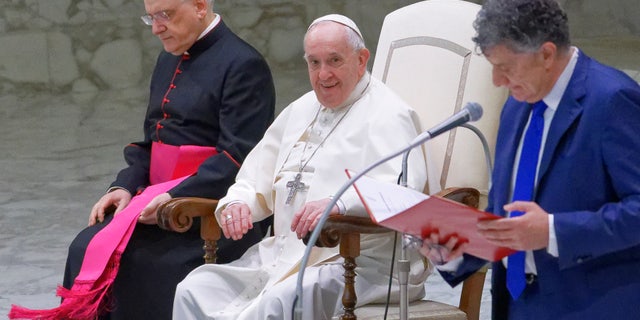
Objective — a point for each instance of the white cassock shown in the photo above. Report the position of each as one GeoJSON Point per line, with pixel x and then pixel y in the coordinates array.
{"type": "Point", "coordinates": [371, 124]}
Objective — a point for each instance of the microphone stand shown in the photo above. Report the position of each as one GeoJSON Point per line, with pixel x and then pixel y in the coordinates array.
{"type": "Point", "coordinates": [404, 267]}
{"type": "Point", "coordinates": [297, 311]}
{"type": "Point", "coordinates": [403, 263]}
{"type": "Point", "coordinates": [485, 148]}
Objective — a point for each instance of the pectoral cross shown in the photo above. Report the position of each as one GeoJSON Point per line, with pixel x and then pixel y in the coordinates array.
{"type": "Point", "coordinates": [294, 186]}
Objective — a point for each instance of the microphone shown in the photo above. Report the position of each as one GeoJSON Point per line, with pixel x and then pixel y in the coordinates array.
{"type": "Point", "coordinates": [471, 112]}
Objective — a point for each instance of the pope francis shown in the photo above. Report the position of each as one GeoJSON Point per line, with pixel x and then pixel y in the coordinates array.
{"type": "Point", "coordinates": [348, 121]}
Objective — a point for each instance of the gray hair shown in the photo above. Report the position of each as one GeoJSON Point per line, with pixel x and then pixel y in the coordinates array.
{"type": "Point", "coordinates": [210, 4]}
{"type": "Point", "coordinates": [521, 25]}
{"type": "Point", "coordinates": [353, 38]}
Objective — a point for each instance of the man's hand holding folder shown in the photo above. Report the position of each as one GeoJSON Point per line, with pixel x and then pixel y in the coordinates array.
{"type": "Point", "coordinates": [449, 228]}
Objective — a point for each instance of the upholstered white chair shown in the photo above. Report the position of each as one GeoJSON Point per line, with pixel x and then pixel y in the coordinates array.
{"type": "Point", "coordinates": [426, 55]}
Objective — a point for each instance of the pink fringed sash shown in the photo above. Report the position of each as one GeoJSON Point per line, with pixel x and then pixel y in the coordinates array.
{"type": "Point", "coordinates": [89, 295]}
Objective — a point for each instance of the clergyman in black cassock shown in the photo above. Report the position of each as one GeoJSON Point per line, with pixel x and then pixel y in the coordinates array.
{"type": "Point", "coordinates": [218, 93]}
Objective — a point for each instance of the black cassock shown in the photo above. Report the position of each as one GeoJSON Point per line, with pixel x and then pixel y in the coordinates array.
{"type": "Point", "coordinates": [220, 94]}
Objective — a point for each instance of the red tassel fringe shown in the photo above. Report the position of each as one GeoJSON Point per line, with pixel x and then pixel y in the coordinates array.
{"type": "Point", "coordinates": [85, 301]}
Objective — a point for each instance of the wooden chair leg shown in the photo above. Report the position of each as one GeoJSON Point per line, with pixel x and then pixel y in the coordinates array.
{"type": "Point", "coordinates": [349, 250]}
{"type": "Point", "coordinates": [210, 232]}
{"type": "Point", "coordinates": [471, 295]}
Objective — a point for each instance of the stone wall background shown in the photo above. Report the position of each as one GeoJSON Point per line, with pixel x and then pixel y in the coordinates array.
{"type": "Point", "coordinates": [84, 47]}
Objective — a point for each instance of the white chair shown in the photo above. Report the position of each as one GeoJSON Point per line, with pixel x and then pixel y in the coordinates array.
{"type": "Point", "coordinates": [426, 55]}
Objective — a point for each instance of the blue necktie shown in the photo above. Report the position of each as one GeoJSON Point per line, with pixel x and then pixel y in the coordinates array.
{"type": "Point", "coordinates": [523, 190]}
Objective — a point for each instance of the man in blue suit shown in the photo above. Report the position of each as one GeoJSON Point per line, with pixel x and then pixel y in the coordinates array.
{"type": "Point", "coordinates": [579, 226]}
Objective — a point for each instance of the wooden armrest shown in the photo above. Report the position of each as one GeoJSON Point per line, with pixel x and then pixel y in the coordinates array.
{"type": "Point", "coordinates": [468, 196]}
{"type": "Point", "coordinates": [337, 225]}
{"type": "Point", "coordinates": [177, 215]}
{"type": "Point", "coordinates": [346, 230]}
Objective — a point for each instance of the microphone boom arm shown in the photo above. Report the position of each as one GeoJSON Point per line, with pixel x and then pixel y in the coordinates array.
{"type": "Point", "coordinates": [427, 136]}
{"type": "Point", "coordinates": [325, 215]}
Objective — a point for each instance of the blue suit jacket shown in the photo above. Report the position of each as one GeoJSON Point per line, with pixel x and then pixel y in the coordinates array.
{"type": "Point", "coordinates": [589, 178]}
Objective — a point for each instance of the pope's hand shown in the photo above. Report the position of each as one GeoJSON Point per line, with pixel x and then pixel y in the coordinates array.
{"type": "Point", "coordinates": [235, 220]}
{"type": "Point", "coordinates": [306, 219]}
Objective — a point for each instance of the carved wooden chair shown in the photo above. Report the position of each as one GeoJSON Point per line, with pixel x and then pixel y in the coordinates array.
{"type": "Point", "coordinates": [345, 231]}
{"type": "Point", "coordinates": [178, 214]}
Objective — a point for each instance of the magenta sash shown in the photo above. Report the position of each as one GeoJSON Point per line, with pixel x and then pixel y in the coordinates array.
{"type": "Point", "coordinates": [89, 295]}
{"type": "Point", "coordinates": [171, 162]}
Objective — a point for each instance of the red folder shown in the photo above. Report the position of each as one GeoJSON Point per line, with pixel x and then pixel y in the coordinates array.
{"type": "Point", "coordinates": [415, 213]}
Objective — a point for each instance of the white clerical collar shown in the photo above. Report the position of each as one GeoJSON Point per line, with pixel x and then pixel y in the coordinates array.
{"type": "Point", "coordinates": [357, 93]}
{"type": "Point", "coordinates": [552, 100]}
{"type": "Point", "coordinates": [212, 25]}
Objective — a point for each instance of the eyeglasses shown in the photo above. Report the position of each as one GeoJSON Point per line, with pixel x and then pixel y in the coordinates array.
{"type": "Point", "coordinates": [161, 16]}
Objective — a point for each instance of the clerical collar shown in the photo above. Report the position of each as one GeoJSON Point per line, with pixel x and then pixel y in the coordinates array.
{"type": "Point", "coordinates": [357, 93]}
{"type": "Point", "coordinates": [210, 27]}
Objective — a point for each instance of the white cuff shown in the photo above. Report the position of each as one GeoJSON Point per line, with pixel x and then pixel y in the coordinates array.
{"type": "Point", "coordinates": [451, 266]}
{"type": "Point", "coordinates": [552, 248]}
{"type": "Point", "coordinates": [233, 203]}
{"type": "Point", "coordinates": [116, 188]}
{"type": "Point", "coordinates": [341, 206]}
